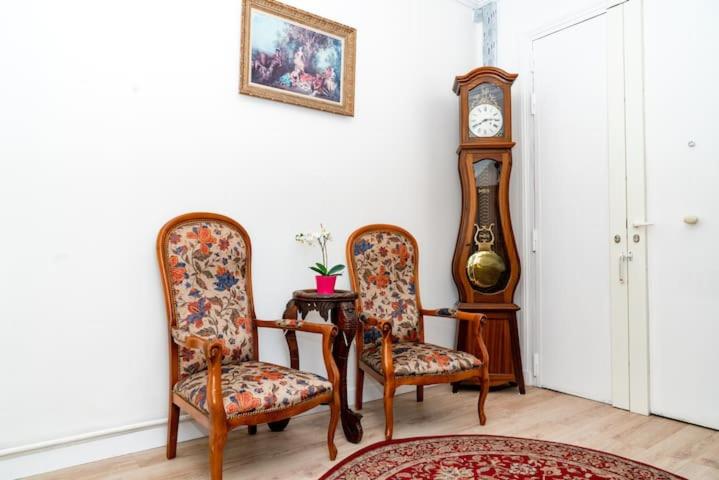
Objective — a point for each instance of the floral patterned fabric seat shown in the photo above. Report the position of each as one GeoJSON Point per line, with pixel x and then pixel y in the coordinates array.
{"type": "Point", "coordinates": [383, 263]}
{"type": "Point", "coordinates": [216, 377]}
{"type": "Point", "coordinates": [208, 271]}
{"type": "Point", "coordinates": [412, 359]}
{"type": "Point", "coordinates": [254, 387]}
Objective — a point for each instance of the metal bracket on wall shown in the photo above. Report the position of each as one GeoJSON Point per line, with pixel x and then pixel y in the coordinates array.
{"type": "Point", "coordinates": [487, 16]}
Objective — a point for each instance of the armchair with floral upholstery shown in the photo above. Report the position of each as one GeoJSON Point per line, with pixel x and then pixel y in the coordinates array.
{"type": "Point", "coordinates": [383, 264]}
{"type": "Point", "coordinates": [215, 372]}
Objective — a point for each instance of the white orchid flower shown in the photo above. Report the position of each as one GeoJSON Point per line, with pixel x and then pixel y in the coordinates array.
{"type": "Point", "coordinates": [320, 239]}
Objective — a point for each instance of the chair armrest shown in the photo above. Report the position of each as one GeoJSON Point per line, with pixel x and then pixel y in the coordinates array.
{"type": "Point", "coordinates": [456, 314]}
{"type": "Point", "coordinates": [478, 320]}
{"type": "Point", "coordinates": [213, 348]}
{"type": "Point", "coordinates": [298, 325]}
{"type": "Point", "coordinates": [328, 332]}
{"type": "Point", "coordinates": [385, 327]}
{"type": "Point", "coordinates": [380, 323]}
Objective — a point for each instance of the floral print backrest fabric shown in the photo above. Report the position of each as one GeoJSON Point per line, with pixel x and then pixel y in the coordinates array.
{"type": "Point", "coordinates": [384, 267]}
{"type": "Point", "coordinates": [207, 265]}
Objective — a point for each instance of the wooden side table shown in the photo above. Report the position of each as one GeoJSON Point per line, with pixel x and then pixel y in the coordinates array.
{"type": "Point", "coordinates": [340, 307]}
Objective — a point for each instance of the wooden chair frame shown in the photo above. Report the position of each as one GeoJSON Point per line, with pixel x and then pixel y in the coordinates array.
{"type": "Point", "coordinates": [389, 380]}
{"type": "Point", "coordinates": [217, 422]}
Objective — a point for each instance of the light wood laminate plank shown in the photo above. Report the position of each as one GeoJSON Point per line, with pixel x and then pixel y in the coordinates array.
{"type": "Point", "coordinates": [300, 451]}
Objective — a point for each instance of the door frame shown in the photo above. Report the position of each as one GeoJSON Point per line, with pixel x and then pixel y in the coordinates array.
{"type": "Point", "coordinates": [629, 329]}
{"type": "Point", "coordinates": [633, 12]}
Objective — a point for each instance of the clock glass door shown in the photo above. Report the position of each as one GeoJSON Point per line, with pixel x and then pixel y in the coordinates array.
{"type": "Point", "coordinates": [487, 266]}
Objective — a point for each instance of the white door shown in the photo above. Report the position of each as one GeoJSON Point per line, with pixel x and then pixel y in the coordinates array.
{"type": "Point", "coordinates": [682, 165]}
{"type": "Point", "coordinates": [573, 218]}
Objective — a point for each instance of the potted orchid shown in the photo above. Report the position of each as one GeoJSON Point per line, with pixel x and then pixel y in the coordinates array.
{"type": "Point", "coordinates": [327, 275]}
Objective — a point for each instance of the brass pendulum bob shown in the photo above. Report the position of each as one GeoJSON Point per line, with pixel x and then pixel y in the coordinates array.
{"type": "Point", "coordinates": [484, 267]}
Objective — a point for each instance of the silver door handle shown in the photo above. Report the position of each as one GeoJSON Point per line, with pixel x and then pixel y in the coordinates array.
{"type": "Point", "coordinates": [642, 223]}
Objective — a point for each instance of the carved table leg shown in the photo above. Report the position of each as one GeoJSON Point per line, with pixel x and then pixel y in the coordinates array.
{"type": "Point", "coordinates": [291, 337]}
{"type": "Point", "coordinates": [279, 425]}
{"type": "Point", "coordinates": [345, 319]}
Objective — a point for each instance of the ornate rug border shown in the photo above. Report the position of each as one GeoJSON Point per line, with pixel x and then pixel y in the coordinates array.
{"type": "Point", "coordinates": [384, 443]}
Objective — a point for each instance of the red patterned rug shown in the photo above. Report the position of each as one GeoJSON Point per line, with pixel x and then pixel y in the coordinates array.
{"type": "Point", "coordinates": [486, 457]}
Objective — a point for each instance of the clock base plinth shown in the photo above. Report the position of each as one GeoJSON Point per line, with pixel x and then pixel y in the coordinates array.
{"type": "Point", "coordinates": [501, 336]}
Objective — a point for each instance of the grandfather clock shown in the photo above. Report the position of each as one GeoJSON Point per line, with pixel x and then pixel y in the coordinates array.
{"type": "Point", "coordinates": [486, 264]}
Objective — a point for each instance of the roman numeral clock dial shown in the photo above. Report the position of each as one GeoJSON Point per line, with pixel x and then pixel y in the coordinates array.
{"type": "Point", "coordinates": [485, 120]}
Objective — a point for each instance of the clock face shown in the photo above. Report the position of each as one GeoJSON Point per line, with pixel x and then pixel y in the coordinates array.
{"type": "Point", "coordinates": [485, 120]}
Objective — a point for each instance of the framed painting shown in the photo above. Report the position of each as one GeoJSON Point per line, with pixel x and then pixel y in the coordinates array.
{"type": "Point", "coordinates": [293, 56]}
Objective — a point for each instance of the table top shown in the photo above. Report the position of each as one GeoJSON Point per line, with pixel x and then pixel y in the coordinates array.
{"type": "Point", "coordinates": [311, 295]}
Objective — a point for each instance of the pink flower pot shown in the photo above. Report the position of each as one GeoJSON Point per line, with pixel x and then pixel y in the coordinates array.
{"type": "Point", "coordinates": [325, 284]}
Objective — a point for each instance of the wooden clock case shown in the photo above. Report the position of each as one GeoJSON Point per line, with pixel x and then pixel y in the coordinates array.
{"type": "Point", "coordinates": [501, 333]}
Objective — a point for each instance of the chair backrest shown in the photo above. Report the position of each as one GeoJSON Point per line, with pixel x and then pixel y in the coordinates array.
{"type": "Point", "coordinates": [206, 273]}
{"type": "Point", "coordinates": [383, 266]}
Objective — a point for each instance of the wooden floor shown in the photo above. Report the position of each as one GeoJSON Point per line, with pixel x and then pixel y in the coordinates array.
{"type": "Point", "coordinates": [300, 451]}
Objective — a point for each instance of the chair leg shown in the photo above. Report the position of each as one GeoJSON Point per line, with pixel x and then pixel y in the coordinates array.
{"type": "Point", "coordinates": [483, 395]}
{"type": "Point", "coordinates": [420, 393]}
{"type": "Point", "coordinates": [252, 429]}
{"type": "Point", "coordinates": [334, 418]}
{"type": "Point", "coordinates": [455, 387]}
{"type": "Point", "coordinates": [217, 447]}
{"type": "Point", "coordinates": [359, 390]}
{"type": "Point", "coordinates": [173, 421]}
{"type": "Point", "coordinates": [388, 411]}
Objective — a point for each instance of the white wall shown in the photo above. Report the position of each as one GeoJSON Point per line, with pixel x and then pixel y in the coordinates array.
{"type": "Point", "coordinates": [116, 116]}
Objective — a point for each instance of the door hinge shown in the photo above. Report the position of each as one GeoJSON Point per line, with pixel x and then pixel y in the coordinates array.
{"type": "Point", "coordinates": [533, 103]}
{"type": "Point", "coordinates": [534, 240]}
{"type": "Point", "coordinates": [535, 365]}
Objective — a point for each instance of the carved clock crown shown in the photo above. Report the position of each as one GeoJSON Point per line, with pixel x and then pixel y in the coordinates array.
{"type": "Point", "coordinates": [475, 76]}
{"type": "Point", "coordinates": [485, 86]}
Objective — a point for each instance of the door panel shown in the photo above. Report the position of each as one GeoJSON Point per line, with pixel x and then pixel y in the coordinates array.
{"type": "Point", "coordinates": [681, 47]}
{"type": "Point", "coordinates": [573, 210]}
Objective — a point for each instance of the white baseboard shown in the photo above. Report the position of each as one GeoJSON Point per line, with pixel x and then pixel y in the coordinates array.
{"type": "Point", "coordinates": [26, 460]}
{"type": "Point", "coordinates": [93, 446]}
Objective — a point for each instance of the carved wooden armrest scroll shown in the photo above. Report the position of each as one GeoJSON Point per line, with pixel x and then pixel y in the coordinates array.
{"type": "Point", "coordinates": [456, 314]}
{"type": "Point", "coordinates": [213, 348]}
{"type": "Point", "coordinates": [384, 326]}
{"type": "Point", "coordinates": [328, 332]}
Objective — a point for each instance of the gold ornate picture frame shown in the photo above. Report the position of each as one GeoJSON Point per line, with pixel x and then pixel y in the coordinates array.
{"type": "Point", "coordinates": [292, 56]}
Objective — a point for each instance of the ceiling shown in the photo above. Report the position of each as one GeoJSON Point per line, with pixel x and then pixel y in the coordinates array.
{"type": "Point", "coordinates": [474, 3]}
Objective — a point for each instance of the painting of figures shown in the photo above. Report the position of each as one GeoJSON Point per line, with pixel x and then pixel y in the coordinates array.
{"type": "Point", "coordinates": [296, 57]}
